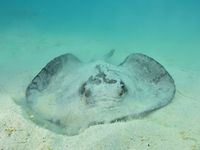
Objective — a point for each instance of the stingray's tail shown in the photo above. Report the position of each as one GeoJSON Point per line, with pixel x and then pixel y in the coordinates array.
{"type": "Point", "coordinates": [109, 54]}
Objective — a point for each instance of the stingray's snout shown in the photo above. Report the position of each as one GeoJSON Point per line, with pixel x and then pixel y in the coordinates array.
{"type": "Point", "coordinates": [104, 86]}
{"type": "Point", "coordinates": [91, 93]}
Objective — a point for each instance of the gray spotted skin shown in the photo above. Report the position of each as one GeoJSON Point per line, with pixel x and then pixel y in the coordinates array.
{"type": "Point", "coordinates": [68, 95]}
{"type": "Point", "coordinates": [151, 71]}
{"type": "Point", "coordinates": [158, 79]}
{"type": "Point", "coordinates": [43, 78]}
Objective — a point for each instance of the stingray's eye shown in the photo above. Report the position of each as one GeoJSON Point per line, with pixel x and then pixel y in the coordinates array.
{"type": "Point", "coordinates": [87, 93]}
{"type": "Point", "coordinates": [82, 89]}
{"type": "Point", "coordinates": [123, 89]}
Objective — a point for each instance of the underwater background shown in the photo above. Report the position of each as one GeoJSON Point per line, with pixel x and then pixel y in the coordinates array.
{"type": "Point", "coordinates": [34, 29]}
{"type": "Point", "coordinates": [33, 32]}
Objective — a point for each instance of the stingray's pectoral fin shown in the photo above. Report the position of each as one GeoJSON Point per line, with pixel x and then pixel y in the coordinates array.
{"type": "Point", "coordinates": [151, 78]}
{"type": "Point", "coordinates": [43, 78]}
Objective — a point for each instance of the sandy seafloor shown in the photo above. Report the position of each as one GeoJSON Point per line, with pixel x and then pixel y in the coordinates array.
{"type": "Point", "coordinates": [26, 47]}
{"type": "Point", "coordinates": [173, 127]}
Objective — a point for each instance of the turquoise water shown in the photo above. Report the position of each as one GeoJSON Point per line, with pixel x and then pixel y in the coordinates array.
{"type": "Point", "coordinates": [34, 32]}
{"type": "Point", "coordinates": [158, 28]}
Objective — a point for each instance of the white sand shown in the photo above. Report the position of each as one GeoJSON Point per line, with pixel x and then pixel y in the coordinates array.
{"type": "Point", "coordinates": [174, 127]}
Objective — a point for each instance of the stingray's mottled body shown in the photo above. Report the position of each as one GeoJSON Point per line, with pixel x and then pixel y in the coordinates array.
{"type": "Point", "coordinates": [69, 95]}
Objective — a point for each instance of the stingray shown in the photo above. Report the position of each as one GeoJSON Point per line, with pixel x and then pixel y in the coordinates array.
{"type": "Point", "coordinates": [68, 95]}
